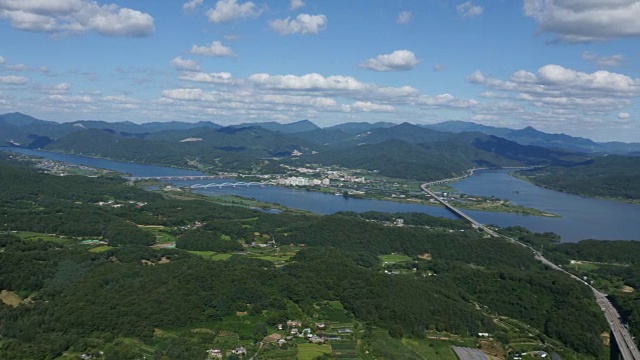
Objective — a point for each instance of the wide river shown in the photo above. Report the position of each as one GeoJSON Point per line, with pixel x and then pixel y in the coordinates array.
{"type": "Point", "coordinates": [581, 217]}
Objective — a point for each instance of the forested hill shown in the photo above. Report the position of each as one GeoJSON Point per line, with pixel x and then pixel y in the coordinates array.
{"type": "Point", "coordinates": [610, 176]}
{"type": "Point", "coordinates": [402, 151]}
{"type": "Point", "coordinates": [129, 300]}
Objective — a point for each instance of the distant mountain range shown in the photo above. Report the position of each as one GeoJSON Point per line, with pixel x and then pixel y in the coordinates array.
{"type": "Point", "coordinates": [397, 150]}
{"type": "Point", "coordinates": [28, 131]}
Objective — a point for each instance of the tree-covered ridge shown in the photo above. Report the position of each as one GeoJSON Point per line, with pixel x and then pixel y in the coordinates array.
{"type": "Point", "coordinates": [454, 281]}
{"type": "Point", "coordinates": [610, 176]}
{"type": "Point", "coordinates": [401, 151]}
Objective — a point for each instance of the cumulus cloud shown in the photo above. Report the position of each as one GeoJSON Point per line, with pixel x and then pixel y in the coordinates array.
{"type": "Point", "coordinates": [76, 16]}
{"type": "Point", "coordinates": [229, 10]}
{"type": "Point", "coordinates": [368, 106]}
{"type": "Point", "coordinates": [2, 60]}
{"type": "Point", "coordinates": [13, 80]}
{"type": "Point", "coordinates": [185, 64]}
{"type": "Point", "coordinates": [559, 87]}
{"type": "Point", "coordinates": [303, 24]}
{"type": "Point", "coordinates": [192, 5]}
{"type": "Point", "coordinates": [580, 21]}
{"type": "Point", "coordinates": [446, 100]}
{"type": "Point", "coordinates": [469, 11]}
{"type": "Point", "coordinates": [334, 86]}
{"type": "Point", "coordinates": [438, 67]}
{"type": "Point", "coordinates": [404, 17]}
{"type": "Point", "coordinates": [624, 116]}
{"type": "Point", "coordinates": [398, 60]}
{"type": "Point", "coordinates": [213, 78]}
{"type": "Point", "coordinates": [613, 60]}
{"type": "Point", "coordinates": [296, 4]}
{"type": "Point", "coordinates": [215, 49]}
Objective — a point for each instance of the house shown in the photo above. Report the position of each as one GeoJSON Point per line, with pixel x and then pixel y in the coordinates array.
{"type": "Point", "coordinates": [239, 351]}
{"type": "Point", "coordinates": [294, 323]}
{"type": "Point", "coordinates": [345, 331]}
{"type": "Point", "coordinates": [316, 339]}
{"type": "Point", "coordinates": [321, 325]}
{"type": "Point", "coordinates": [215, 353]}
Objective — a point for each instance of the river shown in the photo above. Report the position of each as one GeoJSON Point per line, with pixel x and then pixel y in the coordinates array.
{"type": "Point", "coordinates": [581, 217]}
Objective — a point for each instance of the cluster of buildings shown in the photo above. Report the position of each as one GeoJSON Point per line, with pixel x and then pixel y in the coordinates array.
{"type": "Point", "coordinates": [302, 181]}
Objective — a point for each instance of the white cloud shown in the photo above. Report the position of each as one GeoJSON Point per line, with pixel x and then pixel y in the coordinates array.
{"type": "Point", "coordinates": [624, 116]}
{"type": "Point", "coordinates": [76, 16]}
{"type": "Point", "coordinates": [586, 20]}
{"type": "Point", "coordinates": [404, 17]}
{"type": "Point", "coordinates": [185, 64]}
{"type": "Point", "coordinates": [303, 24]}
{"type": "Point", "coordinates": [396, 61]}
{"type": "Point", "coordinates": [334, 86]}
{"type": "Point", "coordinates": [60, 88]}
{"type": "Point", "coordinates": [613, 60]}
{"type": "Point", "coordinates": [228, 10]}
{"type": "Point", "coordinates": [469, 11]}
{"type": "Point", "coordinates": [214, 49]}
{"type": "Point", "coordinates": [446, 100]}
{"type": "Point", "coordinates": [213, 78]}
{"type": "Point", "coordinates": [296, 4]}
{"type": "Point", "coordinates": [13, 80]}
{"type": "Point", "coordinates": [368, 106]}
{"type": "Point", "coordinates": [438, 67]}
{"type": "Point", "coordinates": [191, 5]}
{"type": "Point", "coordinates": [559, 88]}
{"type": "Point", "coordinates": [2, 60]}
{"type": "Point", "coordinates": [18, 67]}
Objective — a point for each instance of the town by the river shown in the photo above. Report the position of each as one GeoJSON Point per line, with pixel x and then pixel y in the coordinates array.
{"type": "Point", "coordinates": [580, 217]}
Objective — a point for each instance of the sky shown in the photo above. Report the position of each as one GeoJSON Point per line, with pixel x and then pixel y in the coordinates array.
{"type": "Point", "coordinates": [561, 66]}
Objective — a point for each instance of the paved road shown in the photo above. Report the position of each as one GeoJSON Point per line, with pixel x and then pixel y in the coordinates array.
{"type": "Point", "coordinates": [469, 353]}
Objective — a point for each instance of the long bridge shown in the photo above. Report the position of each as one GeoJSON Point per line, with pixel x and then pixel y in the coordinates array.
{"type": "Point", "coordinates": [230, 184]}
{"type": "Point", "coordinates": [624, 346]}
{"type": "Point", "coordinates": [171, 178]}
{"type": "Point", "coordinates": [458, 212]}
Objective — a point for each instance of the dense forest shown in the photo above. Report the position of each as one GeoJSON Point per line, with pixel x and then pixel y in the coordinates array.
{"type": "Point", "coordinates": [611, 176]}
{"type": "Point", "coordinates": [125, 298]}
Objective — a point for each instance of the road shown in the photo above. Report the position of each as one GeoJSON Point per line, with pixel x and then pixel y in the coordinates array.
{"type": "Point", "coordinates": [425, 188]}
{"type": "Point", "coordinates": [623, 338]}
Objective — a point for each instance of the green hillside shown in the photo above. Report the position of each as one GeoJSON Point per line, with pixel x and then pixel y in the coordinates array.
{"type": "Point", "coordinates": [610, 176]}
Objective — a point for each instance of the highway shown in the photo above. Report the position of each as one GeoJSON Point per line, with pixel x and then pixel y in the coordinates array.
{"type": "Point", "coordinates": [453, 209]}
{"type": "Point", "coordinates": [626, 344]}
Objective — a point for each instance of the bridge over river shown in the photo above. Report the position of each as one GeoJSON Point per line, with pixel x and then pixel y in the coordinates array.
{"type": "Point", "coordinates": [623, 347]}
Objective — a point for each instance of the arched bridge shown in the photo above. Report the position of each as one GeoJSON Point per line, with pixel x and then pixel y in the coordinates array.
{"type": "Point", "coordinates": [230, 184]}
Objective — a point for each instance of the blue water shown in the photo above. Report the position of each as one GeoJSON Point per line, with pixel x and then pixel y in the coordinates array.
{"type": "Point", "coordinates": [582, 218]}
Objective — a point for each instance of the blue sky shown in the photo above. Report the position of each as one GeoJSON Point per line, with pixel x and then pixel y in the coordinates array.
{"type": "Point", "coordinates": [561, 66]}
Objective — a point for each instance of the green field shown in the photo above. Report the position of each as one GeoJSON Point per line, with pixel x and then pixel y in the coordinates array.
{"type": "Point", "coordinates": [311, 351]}
{"type": "Point", "coordinates": [394, 258]}
{"type": "Point", "coordinates": [211, 255]}
{"type": "Point", "coordinates": [435, 349]}
{"type": "Point", "coordinates": [28, 235]}
{"type": "Point", "coordinates": [100, 249]}
{"type": "Point", "coordinates": [162, 236]}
